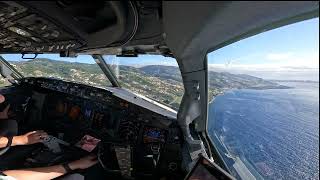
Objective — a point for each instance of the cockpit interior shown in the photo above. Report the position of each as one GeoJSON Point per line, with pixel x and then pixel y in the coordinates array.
{"type": "Point", "coordinates": [69, 111]}
{"type": "Point", "coordinates": [132, 136]}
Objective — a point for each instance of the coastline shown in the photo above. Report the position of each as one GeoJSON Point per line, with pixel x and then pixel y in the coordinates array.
{"type": "Point", "coordinates": [251, 88]}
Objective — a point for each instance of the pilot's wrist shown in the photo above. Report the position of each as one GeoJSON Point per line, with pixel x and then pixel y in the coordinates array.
{"type": "Point", "coordinates": [18, 140]}
{"type": "Point", "coordinates": [73, 165]}
{"type": "Point", "coordinates": [67, 167]}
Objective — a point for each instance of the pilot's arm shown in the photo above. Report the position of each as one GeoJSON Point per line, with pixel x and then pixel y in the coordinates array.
{"type": "Point", "coordinates": [51, 172]}
{"type": "Point", "coordinates": [9, 128]}
{"type": "Point", "coordinates": [26, 139]}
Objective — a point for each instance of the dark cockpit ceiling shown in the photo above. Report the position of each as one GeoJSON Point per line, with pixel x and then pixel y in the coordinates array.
{"type": "Point", "coordinates": [77, 26]}
{"type": "Point", "coordinates": [138, 27]}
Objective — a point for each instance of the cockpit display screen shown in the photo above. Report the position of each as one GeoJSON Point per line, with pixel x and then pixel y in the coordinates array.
{"type": "Point", "coordinates": [152, 134]}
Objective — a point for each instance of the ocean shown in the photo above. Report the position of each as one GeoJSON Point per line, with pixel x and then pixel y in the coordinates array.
{"type": "Point", "coordinates": [274, 132]}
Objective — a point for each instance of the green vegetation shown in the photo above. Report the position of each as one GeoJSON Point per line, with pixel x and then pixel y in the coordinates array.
{"type": "Point", "coordinates": [79, 72]}
{"type": "Point", "coordinates": [161, 83]}
{"type": "Point", "coordinates": [153, 84]}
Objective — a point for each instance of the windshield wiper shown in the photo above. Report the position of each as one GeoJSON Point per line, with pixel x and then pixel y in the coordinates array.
{"type": "Point", "coordinates": [106, 70]}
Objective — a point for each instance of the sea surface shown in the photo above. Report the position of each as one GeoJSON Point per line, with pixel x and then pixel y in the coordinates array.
{"type": "Point", "coordinates": [274, 132]}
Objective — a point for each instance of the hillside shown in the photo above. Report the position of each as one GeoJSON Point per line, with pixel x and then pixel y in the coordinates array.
{"type": "Point", "coordinates": [79, 72]}
{"type": "Point", "coordinates": [218, 81]}
{"type": "Point", "coordinates": [162, 83]}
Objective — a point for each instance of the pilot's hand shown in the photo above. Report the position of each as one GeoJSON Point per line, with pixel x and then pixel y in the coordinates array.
{"type": "Point", "coordinates": [84, 162]}
{"type": "Point", "coordinates": [31, 137]}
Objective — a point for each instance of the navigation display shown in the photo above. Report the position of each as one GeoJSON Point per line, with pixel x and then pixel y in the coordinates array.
{"type": "Point", "coordinates": [152, 134]}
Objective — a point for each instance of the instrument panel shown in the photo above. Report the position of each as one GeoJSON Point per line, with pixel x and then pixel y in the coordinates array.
{"type": "Point", "coordinates": [72, 111]}
{"type": "Point", "coordinates": [24, 30]}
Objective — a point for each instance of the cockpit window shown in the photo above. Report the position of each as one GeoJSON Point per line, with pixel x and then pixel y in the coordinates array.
{"type": "Point", "coordinates": [82, 69]}
{"type": "Point", "coordinates": [153, 76]}
{"type": "Point", "coordinates": [263, 112]}
{"type": "Point", "coordinates": [3, 82]}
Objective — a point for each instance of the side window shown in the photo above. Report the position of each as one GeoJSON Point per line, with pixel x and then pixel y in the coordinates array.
{"type": "Point", "coordinates": [264, 103]}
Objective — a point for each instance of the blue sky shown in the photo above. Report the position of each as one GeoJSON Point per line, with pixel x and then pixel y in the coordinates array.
{"type": "Point", "coordinates": [288, 52]}
{"type": "Point", "coordinates": [293, 48]}
{"type": "Point", "coordinates": [80, 58]}
{"type": "Point", "coordinates": [300, 38]}
{"type": "Point", "coordinates": [141, 60]}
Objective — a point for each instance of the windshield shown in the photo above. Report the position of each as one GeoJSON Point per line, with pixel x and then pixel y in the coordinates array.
{"type": "Point", "coordinates": [82, 69]}
{"type": "Point", "coordinates": [153, 76]}
{"type": "Point", "coordinates": [264, 103]}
